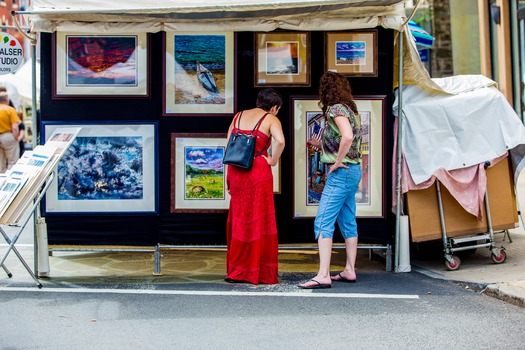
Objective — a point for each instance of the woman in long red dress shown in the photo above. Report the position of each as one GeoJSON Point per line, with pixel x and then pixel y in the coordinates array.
{"type": "Point", "coordinates": [251, 230]}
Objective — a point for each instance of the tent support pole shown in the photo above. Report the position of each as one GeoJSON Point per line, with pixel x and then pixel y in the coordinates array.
{"type": "Point", "coordinates": [399, 149]}
{"type": "Point", "coordinates": [34, 142]}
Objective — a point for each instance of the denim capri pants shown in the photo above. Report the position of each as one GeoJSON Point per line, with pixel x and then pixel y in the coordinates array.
{"type": "Point", "coordinates": [338, 203]}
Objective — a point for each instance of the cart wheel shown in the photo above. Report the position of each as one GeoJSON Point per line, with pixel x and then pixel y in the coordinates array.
{"type": "Point", "coordinates": [452, 266]}
{"type": "Point", "coordinates": [499, 259]}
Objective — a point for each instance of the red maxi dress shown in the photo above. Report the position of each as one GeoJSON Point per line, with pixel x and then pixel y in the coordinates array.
{"type": "Point", "coordinates": [251, 230]}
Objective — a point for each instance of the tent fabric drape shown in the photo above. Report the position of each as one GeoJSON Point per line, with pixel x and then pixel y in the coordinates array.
{"type": "Point", "coordinates": [214, 15]}
{"type": "Point", "coordinates": [117, 17]}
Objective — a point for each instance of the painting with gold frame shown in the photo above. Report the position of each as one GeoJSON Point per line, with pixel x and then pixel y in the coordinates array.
{"type": "Point", "coordinates": [352, 53]}
{"type": "Point", "coordinates": [282, 59]}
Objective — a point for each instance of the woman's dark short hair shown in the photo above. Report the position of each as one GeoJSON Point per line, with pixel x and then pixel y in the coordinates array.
{"type": "Point", "coordinates": [268, 98]}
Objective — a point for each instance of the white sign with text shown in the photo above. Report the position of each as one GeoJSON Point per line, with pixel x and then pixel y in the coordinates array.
{"type": "Point", "coordinates": [11, 54]}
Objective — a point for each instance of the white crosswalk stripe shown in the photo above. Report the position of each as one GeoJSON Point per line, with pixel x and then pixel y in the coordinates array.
{"type": "Point", "coordinates": [302, 294]}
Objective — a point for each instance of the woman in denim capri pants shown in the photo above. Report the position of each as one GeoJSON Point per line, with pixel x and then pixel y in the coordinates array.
{"type": "Point", "coordinates": [341, 153]}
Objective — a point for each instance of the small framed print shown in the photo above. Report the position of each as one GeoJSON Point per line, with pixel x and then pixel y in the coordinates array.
{"type": "Point", "coordinates": [109, 168]}
{"type": "Point", "coordinates": [282, 59]}
{"type": "Point", "coordinates": [199, 73]}
{"type": "Point", "coordinates": [310, 173]}
{"type": "Point", "coordinates": [90, 65]}
{"type": "Point", "coordinates": [352, 53]}
{"type": "Point", "coordinates": [198, 176]}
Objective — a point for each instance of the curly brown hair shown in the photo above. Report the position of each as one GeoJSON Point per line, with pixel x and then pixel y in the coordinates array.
{"type": "Point", "coordinates": [334, 88]}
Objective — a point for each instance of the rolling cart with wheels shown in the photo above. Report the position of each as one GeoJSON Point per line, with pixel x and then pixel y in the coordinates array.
{"type": "Point", "coordinates": [451, 245]}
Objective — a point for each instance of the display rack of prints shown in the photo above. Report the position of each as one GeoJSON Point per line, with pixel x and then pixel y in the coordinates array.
{"type": "Point", "coordinates": [24, 180]}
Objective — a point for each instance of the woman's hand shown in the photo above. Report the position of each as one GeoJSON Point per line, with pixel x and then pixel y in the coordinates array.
{"type": "Point", "coordinates": [270, 161]}
{"type": "Point", "coordinates": [336, 166]}
{"type": "Point", "coordinates": [313, 143]}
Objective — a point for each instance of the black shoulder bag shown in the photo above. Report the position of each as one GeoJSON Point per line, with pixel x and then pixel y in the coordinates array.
{"type": "Point", "coordinates": [240, 150]}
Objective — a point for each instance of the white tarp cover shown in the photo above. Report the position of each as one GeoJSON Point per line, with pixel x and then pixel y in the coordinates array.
{"type": "Point", "coordinates": [469, 125]}
{"type": "Point", "coordinates": [214, 15]}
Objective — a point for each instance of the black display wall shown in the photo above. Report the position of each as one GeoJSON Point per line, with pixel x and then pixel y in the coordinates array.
{"type": "Point", "coordinates": [208, 228]}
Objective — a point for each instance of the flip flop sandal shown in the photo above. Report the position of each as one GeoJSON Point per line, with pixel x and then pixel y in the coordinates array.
{"type": "Point", "coordinates": [318, 285]}
{"type": "Point", "coordinates": [342, 279]}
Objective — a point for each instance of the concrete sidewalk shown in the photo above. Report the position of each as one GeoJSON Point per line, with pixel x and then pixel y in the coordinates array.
{"type": "Point", "coordinates": [505, 281]}
{"type": "Point", "coordinates": [178, 266]}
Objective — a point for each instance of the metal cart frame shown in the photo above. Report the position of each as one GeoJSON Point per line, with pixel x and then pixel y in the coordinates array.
{"type": "Point", "coordinates": [450, 245]}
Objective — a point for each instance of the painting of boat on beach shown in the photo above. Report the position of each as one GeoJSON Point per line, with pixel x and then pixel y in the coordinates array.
{"type": "Point", "coordinates": [199, 76]}
{"type": "Point", "coordinates": [91, 65]}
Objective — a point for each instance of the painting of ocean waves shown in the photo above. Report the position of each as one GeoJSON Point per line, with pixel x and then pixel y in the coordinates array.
{"type": "Point", "coordinates": [102, 168]}
{"type": "Point", "coordinates": [350, 52]}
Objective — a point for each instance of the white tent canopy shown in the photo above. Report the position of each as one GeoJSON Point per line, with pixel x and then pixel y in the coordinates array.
{"type": "Point", "coordinates": [206, 15]}
{"type": "Point", "coordinates": [127, 16]}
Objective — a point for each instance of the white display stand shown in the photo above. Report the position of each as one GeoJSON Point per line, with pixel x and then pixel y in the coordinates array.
{"type": "Point", "coordinates": [28, 212]}
{"type": "Point", "coordinates": [23, 187]}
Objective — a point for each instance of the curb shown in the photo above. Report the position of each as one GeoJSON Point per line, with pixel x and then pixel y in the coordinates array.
{"type": "Point", "coordinates": [507, 292]}
{"type": "Point", "coordinates": [512, 293]}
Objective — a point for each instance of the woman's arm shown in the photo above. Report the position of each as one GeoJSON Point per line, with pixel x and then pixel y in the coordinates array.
{"type": "Point", "coordinates": [347, 135]}
{"type": "Point", "coordinates": [20, 135]}
{"type": "Point", "coordinates": [276, 132]}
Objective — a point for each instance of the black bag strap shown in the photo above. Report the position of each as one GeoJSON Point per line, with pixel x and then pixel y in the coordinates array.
{"type": "Point", "coordinates": [269, 137]}
{"type": "Point", "coordinates": [257, 125]}
{"type": "Point", "coordinates": [238, 116]}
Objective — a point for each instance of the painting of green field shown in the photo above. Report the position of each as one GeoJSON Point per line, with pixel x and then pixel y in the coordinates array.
{"type": "Point", "coordinates": [204, 172]}
{"type": "Point", "coordinates": [205, 186]}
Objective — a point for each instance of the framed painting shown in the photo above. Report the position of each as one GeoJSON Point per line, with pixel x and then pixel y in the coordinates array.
{"type": "Point", "coordinates": [282, 59]}
{"type": "Point", "coordinates": [88, 65]}
{"type": "Point", "coordinates": [109, 168]}
{"type": "Point", "coordinates": [198, 177]}
{"type": "Point", "coordinates": [199, 73]}
{"type": "Point", "coordinates": [352, 53]}
{"type": "Point", "coordinates": [310, 173]}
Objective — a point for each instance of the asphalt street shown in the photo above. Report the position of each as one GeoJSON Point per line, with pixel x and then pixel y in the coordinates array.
{"type": "Point", "coordinates": [381, 311]}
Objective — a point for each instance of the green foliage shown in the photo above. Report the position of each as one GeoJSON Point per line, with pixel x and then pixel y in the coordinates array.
{"type": "Point", "coordinates": [205, 186]}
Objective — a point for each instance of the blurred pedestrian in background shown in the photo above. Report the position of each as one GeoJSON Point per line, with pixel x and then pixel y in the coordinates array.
{"type": "Point", "coordinates": [9, 146]}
